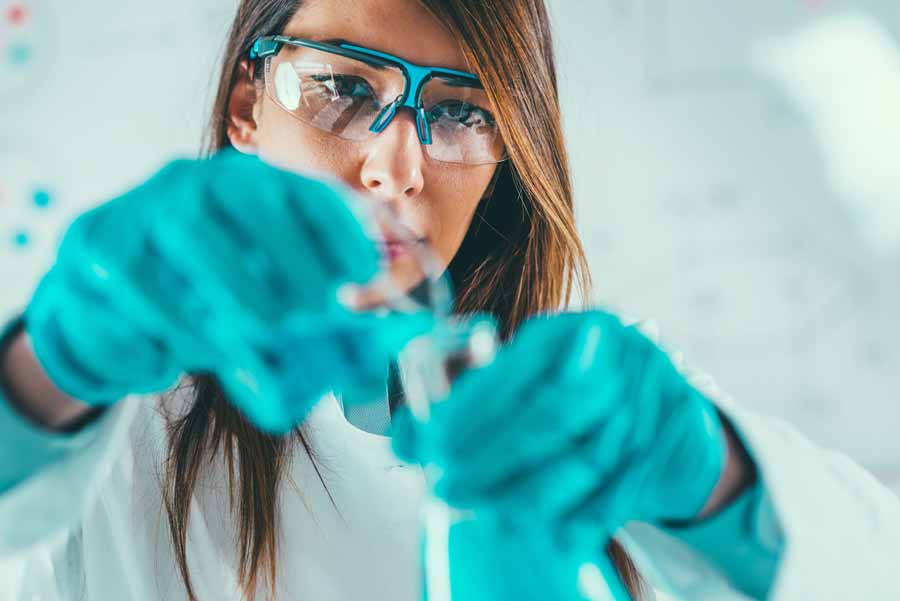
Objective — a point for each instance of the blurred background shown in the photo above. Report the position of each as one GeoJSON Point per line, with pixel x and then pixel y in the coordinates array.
{"type": "Point", "coordinates": [735, 164]}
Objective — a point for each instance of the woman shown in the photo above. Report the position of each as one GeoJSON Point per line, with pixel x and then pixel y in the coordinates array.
{"type": "Point", "coordinates": [188, 496]}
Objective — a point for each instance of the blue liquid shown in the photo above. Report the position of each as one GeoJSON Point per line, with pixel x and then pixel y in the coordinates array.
{"type": "Point", "coordinates": [489, 561]}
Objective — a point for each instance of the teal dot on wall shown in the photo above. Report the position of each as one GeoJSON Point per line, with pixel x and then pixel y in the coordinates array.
{"type": "Point", "coordinates": [42, 199]}
{"type": "Point", "coordinates": [19, 53]}
{"type": "Point", "coordinates": [21, 239]}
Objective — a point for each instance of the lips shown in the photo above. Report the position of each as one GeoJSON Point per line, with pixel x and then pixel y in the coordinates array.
{"type": "Point", "coordinates": [396, 238]}
{"type": "Point", "coordinates": [394, 249]}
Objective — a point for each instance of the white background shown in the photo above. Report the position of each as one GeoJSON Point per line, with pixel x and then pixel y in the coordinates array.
{"type": "Point", "coordinates": [721, 187]}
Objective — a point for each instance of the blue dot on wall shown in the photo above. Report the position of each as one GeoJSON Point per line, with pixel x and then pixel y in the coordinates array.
{"type": "Point", "coordinates": [42, 199]}
{"type": "Point", "coordinates": [19, 54]}
{"type": "Point", "coordinates": [21, 239]}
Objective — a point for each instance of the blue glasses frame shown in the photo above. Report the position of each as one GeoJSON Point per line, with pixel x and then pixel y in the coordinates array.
{"type": "Point", "coordinates": [416, 76]}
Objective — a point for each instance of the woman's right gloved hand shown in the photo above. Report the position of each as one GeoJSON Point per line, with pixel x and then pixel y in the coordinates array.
{"type": "Point", "coordinates": [195, 271]}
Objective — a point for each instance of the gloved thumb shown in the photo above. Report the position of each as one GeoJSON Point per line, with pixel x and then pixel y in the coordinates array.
{"type": "Point", "coordinates": [405, 436]}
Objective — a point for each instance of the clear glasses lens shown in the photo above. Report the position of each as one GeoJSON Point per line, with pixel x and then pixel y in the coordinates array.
{"type": "Point", "coordinates": [345, 96]}
{"type": "Point", "coordinates": [333, 93]}
{"type": "Point", "coordinates": [463, 128]}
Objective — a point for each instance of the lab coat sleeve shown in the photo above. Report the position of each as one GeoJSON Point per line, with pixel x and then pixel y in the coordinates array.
{"type": "Point", "coordinates": [743, 541]}
{"type": "Point", "coordinates": [732, 555]}
{"type": "Point", "coordinates": [47, 480]}
{"type": "Point", "coordinates": [841, 526]}
{"type": "Point", "coordinates": [832, 528]}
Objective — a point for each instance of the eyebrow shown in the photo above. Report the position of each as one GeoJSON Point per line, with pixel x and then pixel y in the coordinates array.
{"type": "Point", "coordinates": [456, 82]}
{"type": "Point", "coordinates": [374, 61]}
{"type": "Point", "coordinates": [335, 41]}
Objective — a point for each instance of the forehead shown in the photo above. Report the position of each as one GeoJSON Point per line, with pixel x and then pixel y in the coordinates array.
{"type": "Point", "coordinates": [403, 28]}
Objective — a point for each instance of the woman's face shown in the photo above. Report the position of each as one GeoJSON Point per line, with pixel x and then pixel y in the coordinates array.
{"type": "Point", "coordinates": [436, 201]}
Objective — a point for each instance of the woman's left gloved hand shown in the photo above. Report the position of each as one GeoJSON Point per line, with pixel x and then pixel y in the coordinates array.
{"type": "Point", "coordinates": [579, 422]}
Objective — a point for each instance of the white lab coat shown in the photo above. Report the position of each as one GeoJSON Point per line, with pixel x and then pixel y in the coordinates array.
{"type": "Point", "coordinates": [91, 526]}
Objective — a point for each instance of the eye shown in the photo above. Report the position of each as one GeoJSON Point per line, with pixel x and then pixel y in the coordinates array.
{"type": "Point", "coordinates": [345, 86]}
{"type": "Point", "coordinates": [464, 113]}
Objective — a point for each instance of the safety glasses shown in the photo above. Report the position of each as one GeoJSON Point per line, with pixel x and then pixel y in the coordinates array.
{"type": "Point", "coordinates": [354, 93]}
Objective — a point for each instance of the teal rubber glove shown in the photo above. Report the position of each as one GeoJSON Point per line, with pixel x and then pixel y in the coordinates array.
{"type": "Point", "coordinates": [220, 266]}
{"type": "Point", "coordinates": [580, 424]}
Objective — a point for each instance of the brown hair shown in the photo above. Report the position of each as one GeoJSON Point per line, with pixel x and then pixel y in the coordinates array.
{"type": "Point", "coordinates": [521, 257]}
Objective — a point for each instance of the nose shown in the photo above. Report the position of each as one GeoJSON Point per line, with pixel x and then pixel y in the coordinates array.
{"type": "Point", "coordinates": [394, 161]}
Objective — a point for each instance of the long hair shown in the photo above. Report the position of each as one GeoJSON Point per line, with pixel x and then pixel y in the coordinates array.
{"type": "Point", "coordinates": [521, 257]}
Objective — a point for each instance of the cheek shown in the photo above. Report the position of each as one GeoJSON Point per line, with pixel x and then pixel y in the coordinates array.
{"type": "Point", "coordinates": [291, 145]}
{"type": "Point", "coordinates": [453, 200]}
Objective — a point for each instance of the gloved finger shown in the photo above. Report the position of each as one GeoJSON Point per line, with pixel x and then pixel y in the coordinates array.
{"type": "Point", "coordinates": [191, 322]}
{"type": "Point", "coordinates": [280, 239]}
{"type": "Point", "coordinates": [559, 326]}
{"type": "Point", "coordinates": [308, 355]}
{"type": "Point", "coordinates": [334, 220]}
{"type": "Point", "coordinates": [571, 367]}
{"type": "Point", "coordinates": [382, 337]}
{"type": "Point", "coordinates": [539, 496]}
{"type": "Point", "coordinates": [205, 223]}
{"type": "Point", "coordinates": [614, 501]}
{"type": "Point", "coordinates": [367, 347]}
{"type": "Point", "coordinates": [630, 492]}
{"type": "Point", "coordinates": [200, 247]}
{"type": "Point", "coordinates": [654, 385]}
{"type": "Point", "coordinates": [522, 448]}
{"type": "Point", "coordinates": [486, 393]}
{"type": "Point", "coordinates": [257, 395]}
{"type": "Point", "coordinates": [560, 484]}
{"type": "Point", "coordinates": [381, 291]}
{"type": "Point", "coordinates": [482, 399]}
{"type": "Point", "coordinates": [252, 213]}
{"type": "Point", "coordinates": [306, 361]}
{"type": "Point", "coordinates": [94, 249]}
{"type": "Point", "coordinates": [405, 437]}
{"type": "Point", "coordinates": [252, 381]}
{"type": "Point", "coordinates": [255, 206]}
{"type": "Point", "coordinates": [85, 360]}
{"type": "Point", "coordinates": [128, 272]}
{"type": "Point", "coordinates": [56, 355]}
{"type": "Point", "coordinates": [344, 348]}
{"type": "Point", "coordinates": [406, 434]}
{"type": "Point", "coordinates": [326, 209]}
{"type": "Point", "coordinates": [543, 495]}
{"type": "Point", "coordinates": [121, 349]}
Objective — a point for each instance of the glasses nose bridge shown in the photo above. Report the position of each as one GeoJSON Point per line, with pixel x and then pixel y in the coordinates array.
{"type": "Point", "coordinates": [416, 78]}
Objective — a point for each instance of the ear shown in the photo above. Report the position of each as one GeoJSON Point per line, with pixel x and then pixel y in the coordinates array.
{"type": "Point", "coordinates": [242, 128]}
